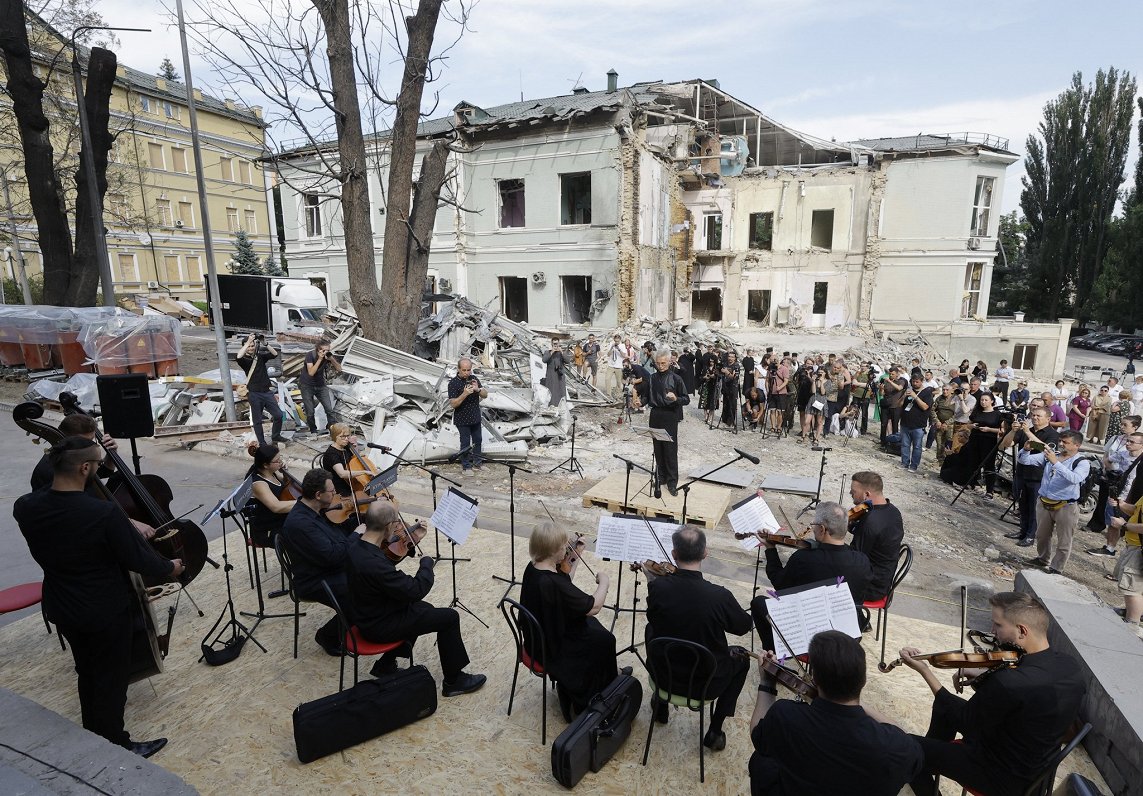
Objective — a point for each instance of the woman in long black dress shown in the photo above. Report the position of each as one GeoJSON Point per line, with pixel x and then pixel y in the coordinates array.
{"type": "Point", "coordinates": [687, 365]}
{"type": "Point", "coordinates": [266, 509]}
{"type": "Point", "coordinates": [708, 389]}
{"type": "Point", "coordinates": [731, 372]}
{"type": "Point", "coordinates": [748, 371]}
{"type": "Point", "coordinates": [580, 652]}
{"type": "Point", "coordinates": [986, 427]}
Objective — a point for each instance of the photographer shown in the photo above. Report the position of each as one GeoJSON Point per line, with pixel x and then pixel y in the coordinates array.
{"type": "Point", "coordinates": [312, 383]}
{"type": "Point", "coordinates": [892, 402]}
{"type": "Point", "coordinates": [252, 358]}
{"type": "Point", "coordinates": [1029, 433]}
{"type": "Point", "coordinates": [464, 394]}
{"type": "Point", "coordinates": [778, 378]}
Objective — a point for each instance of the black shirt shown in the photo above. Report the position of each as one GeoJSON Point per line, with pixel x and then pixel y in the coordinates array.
{"type": "Point", "coordinates": [264, 523]}
{"type": "Point", "coordinates": [334, 455]}
{"type": "Point", "coordinates": [663, 383]}
{"type": "Point", "coordinates": [914, 416]}
{"type": "Point", "coordinates": [318, 548]}
{"type": "Point", "coordinates": [381, 593]}
{"type": "Point", "coordinates": [468, 413]}
{"type": "Point", "coordinates": [558, 605]}
{"type": "Point", "coordinates": [828, 749]}
{"type": "Point", "coordinates": [1046, 435]}
{"type": "Point", "coordinates": [643, 388]}
{"type": "Point", "coordinates": [259, 379]}
{"type": "Point", "coordinates": [878, 534]}
{"type": "Point", "coordinates": [685, 605]}
{"type": "Point", "coordinates": [316, 380]}
{"type": "Point", "coordinates": [824, 562]}
{"type": "Point", "coordinates": [86, 548]}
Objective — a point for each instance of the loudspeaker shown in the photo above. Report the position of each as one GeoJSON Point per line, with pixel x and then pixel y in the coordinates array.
{"type": "Point", "coordinates": [125, 405]}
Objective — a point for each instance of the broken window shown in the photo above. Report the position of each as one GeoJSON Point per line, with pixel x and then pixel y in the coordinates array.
{"type": "Point", "coordinates": [511, 203]}
{"type": "Point", "coordinates": [226, 168]}
{"type": "Point", "coordinates": [179, 159]}
{"type": "Point", "coordinates": [514, 298]}
{"type": "Point", "coordinates": [576, 294]}
{"type": "Point", "coordinates": [821, 294]}
{"type": "Point", "coordinates": [712, 225]}
{"type": "Point", "coordinates": [575, 198]}
{"type": "Point", "coordinates": [821, 229]}
{"type": "Point", "coordinates": [973, 276]}
{"type": "Point", "coordinates": [758, 305]}
{"type": "Point", "coordinates": [761, 231]}
{"type": "Point", "coordinates": [1024, 357]}
{"type": "Point", "coordinates": [981, 206]}
{"type": "Point", "coordinates": [706, 305]}
{"type": "Point", "coordinates": [311, 208]}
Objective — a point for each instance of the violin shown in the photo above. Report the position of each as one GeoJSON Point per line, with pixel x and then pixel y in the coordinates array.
{"type": "Point", "coordinates": [859, 511]}
{"type": "Point", "coordinates": [959, 659]}
{"type": "Point", "coordinates": [775, 538]}
{"type": "Point", "coordinates": [403, 543]}
{"type": "Point", "coordinates": [655, 568]}
{"type": "Point", "coordinates": [572, 554]}
{"type": "Point", "coordinates": [338, 513]}
{"type": "Point", "coordinates": [802, 686]}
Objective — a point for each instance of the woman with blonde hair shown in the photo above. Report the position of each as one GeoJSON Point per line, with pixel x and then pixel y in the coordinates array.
{"type": "Point", "coordinates": [578, 652]}
{"type": "Point", "coordinates": [1099, 416]}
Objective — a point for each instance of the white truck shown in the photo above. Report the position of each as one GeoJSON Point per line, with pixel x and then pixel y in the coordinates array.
{"type": "Point", "coordinates": [269, 303]}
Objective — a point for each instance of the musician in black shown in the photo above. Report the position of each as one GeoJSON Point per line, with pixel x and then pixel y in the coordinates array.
{"type": "Point", "coordinates": [319, 551]}
{"type": "Point", "coordinates": [685, 605]}
{"type": "Point", "coordinates": [266, 509]}
{"type": "Point", "coordinates": [87, 547]}
{"type": "Point", "coordinates": [1014, 723]}
{"type": "Point", "coordinates": [667, 395]}
{"type": "Point", "coordinates": [878, 532]}
{"type": "Point", "coordinates": [831, 559]}
{"type": "Point", "coordinates": [835, 744]}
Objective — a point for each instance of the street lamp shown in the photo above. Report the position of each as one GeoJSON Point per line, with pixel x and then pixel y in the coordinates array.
{"type": "Point", "coordinates": [89, 166]}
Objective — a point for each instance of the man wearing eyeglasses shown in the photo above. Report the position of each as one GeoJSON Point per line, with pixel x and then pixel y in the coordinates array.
{"type": "Point", "coordinates": [86, 546]}
{"type": "Point", "coordinates": [1119, 484]}
{"type": "Point", "coordinates": [319, 551]}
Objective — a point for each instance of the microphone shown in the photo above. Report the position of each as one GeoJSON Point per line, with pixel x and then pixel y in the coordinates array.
{"type": "Point", "coordinates": [459, 453]}
{"type": "Point", "coordinates": [382, 448]}
{"type": "Point", "coordinates": [820, 448]}
{"type": "Point", "coordinates": [747, 456]}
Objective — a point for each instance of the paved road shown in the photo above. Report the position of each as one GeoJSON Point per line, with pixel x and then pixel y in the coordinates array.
{"type": "Point", "coordinates": [1084, 357]}
{"type": "Point", "coordinates": [196, 478]}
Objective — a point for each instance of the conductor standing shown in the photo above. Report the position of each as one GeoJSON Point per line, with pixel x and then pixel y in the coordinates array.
{"type": "Point", "coordinates": [668, 396]}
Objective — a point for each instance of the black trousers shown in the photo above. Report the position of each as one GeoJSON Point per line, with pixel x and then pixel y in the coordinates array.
{"type": "Point", "coordinates": [666, 453]}
{"type": "Point", "coordinates": [962, 762]}
{"type": "Point", "coordinates": [265, 401]}
{"type": "Point", "coordinates": [329, 634]}
{"type": "Point", "coordinates": [890, 416]}
{"type": "Point", "coordinates": [102, 664]}
{"type": "Point", "coordinates": [729, 677]}
{"type": "Point", "coordinates": [421, 620]}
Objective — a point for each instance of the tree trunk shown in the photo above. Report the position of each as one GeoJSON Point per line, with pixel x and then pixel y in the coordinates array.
{"type": "Point", "coordinates": [44, 189]}
{"type": "Point", "coordinates": [404, 261]}
{"type": "Point", "coordinates": [85, 264]}
{"type": "Point", "coordinates": [359, 257]}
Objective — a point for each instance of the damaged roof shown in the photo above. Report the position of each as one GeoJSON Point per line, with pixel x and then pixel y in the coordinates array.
{"type": "Point", "coordinates": [934, 141]}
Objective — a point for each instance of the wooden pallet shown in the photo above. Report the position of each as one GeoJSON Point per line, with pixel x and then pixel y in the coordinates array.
{"type": "Point", "coordinates": [705, 506]}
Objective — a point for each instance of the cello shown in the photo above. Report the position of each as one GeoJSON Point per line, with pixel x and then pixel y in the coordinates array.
{"type": "Point", "coordinates": [148, 648]}
{"type": "Point", "coordinates": [147, 498]}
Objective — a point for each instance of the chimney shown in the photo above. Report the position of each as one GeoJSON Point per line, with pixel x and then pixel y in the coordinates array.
{"type": "Point", "coordinates": [612, 81]}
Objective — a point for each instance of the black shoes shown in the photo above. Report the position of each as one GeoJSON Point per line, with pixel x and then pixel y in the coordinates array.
{"type": "Point", "coordinates": [279, 439]}
{"type": "Point", "coordinates": [383, 667]}
{"type": "Point", "coordinates": [714, 741]}
{"type": "Point", "coordinates": [1026, 543]}
{"type": "Point", "coordinates": [1038, 562]}
{"type": "Point", "coordinates": [673, 489]}
{"type": "Point", "coordinates": [335, 650]}
{"type": "Point", "coordinates": [1014, 535]}
{"type": "Point", "coordinates": [626, 671]}
{"type": "Point", "coordinates": [147, 748]}
{"type": "Point", "coordinates": [463, 684]}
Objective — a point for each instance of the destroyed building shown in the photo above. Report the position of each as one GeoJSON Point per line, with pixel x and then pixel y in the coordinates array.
{"type": "Point", "coordinates": [678, 201]}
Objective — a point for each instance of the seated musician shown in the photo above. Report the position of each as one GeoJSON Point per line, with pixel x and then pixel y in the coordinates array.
{"type": "Point", "coordinates": [831, 559]}
{"type": "Point", "coordinates": [833, 743]}
{"type": "Point", "coordinates": [86, 546]}
{"type": "Point", "coordinates": [1014, 723]}
{"type": "Point", "coordinates": [85, 426]}
{"type": "Point", "coordinates": [685, 605]}
{"type": "Point", "coordinates": [877, 533]}
{"type": "Point", "coordinates": [580, 651]}
{"type": "Point", "coordinates": [266, 510]}
{"type": "Point", "coordinates": [389, 605]}
{"type": "Point", "coordinates": [319, 551]}
{"type": "Point", "coordinates": [337, 457]}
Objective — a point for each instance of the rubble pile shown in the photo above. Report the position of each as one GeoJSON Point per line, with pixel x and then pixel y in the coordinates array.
{"type": "Point", "coordinates": [671, 334]}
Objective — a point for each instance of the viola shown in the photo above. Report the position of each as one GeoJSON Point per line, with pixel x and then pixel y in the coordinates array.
{"type": "Point", "coordinates": [147, 498]}
{"type": "Point", "coordinates": [656, 568]}
{"type": "Point", "coordinates": [802, 685]}
{"type": "Point", "coordinates": [775, 538]}
{"type": "Point", "coordinates": [403, 543]}
{"type": "Point", "coordinates": [338, 513]}
{"type": "Point", "coordinates": [859, 511]}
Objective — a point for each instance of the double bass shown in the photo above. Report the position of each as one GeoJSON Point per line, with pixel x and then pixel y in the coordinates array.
{"type": "Point", "coordinates": [148, 648]}
{"type": "Point", "coordinates": [147, 498]}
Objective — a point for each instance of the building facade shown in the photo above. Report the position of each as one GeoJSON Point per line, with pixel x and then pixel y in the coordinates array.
{"type": "Point", "coordinates": [151, 210]}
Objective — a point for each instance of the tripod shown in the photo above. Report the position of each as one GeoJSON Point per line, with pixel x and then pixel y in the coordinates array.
{"type": "Point", "coordinates": [455, 602]}
{"type": "Point", "coordinates": [616, 608]}
{"type": "Point", "coordinates": [817, 498]}
{"type": "Point", "coordinates": [512, 468]}
{"type": "Point", "coordinates": [571, 463]}
{"type": "Point", "coordinates": [255, 571]}
{"type": "Point", "coordinates": [239, 633]}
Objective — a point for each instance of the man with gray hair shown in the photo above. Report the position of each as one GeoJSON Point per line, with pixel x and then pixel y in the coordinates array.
{"type": "Point", "coordinates": [830, 560]}
{"type": "Point", "coordinates": [667, 396]}
{"type": "Point", "coordinates": [464, 394]}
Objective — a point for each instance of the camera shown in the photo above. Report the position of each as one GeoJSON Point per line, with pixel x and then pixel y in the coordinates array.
{"type": "Point", "coordinates": [259, 338]}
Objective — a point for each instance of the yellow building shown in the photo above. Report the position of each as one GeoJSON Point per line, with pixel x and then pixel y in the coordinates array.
{"type": "Point", "coordinates": [151, 209]}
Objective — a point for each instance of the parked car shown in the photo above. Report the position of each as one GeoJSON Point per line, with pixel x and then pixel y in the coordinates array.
{"type": "Point", "coordinates": [1091, 343]}
{"type": "Point", "coordinates": [1119, 346]}
{"type": "Point", "coordinates": [1083, 336]}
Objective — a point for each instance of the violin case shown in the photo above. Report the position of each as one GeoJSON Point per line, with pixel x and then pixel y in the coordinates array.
{"type": "Point", "coordinates": [365, 711]}
{"type": "Point", "coordinates": [597, 733]}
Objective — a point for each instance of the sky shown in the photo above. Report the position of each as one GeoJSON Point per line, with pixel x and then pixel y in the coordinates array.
{"type": "Point", "coordinates": [843, 69]}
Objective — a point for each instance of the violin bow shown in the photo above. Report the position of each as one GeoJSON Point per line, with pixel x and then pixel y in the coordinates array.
{"type": "Point", "coordinates": [791, 525]}
{"type": "Point", "coordinates": [568, 545]}
{"type": "Point", "coordinates": [782, 636]}
{"type": "Point", "coordinates": [658, 541]}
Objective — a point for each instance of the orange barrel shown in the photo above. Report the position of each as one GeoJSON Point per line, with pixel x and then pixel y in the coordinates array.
{"type": "Point", "coordinates": [112, 355]}
{"type": "Point", "coordinates": [37, 356]}
{"type": "Point", "coordinates": [11, 354]}
{"type": "Point", "coordinates": [164, 344]}
{"type": "Point", "coordinates": [73, 359]}
{"type": "Point", "coordinates": [140, 354]}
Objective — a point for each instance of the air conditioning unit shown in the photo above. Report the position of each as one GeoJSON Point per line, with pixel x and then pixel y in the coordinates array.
{"type": "Point", "coordinates": [444, 285]}
{"type": "Point", "coordinates": [539, 278]}
{"type": "Point", "coordinates": [974, 243]}
{"type": "Point", "coordinates": [152, 285]}
{"type": "Point", "coordinates": [179, 224]}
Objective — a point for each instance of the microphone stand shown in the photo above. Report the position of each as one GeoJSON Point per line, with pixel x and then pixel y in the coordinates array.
{"type": "Point", "coordinates": [817, 498]}
{"type": "Point", "coordinates": [239, 633]}
{"type": "Point", "coordinates": [572, 463]}
{"type": "Point", "coordinates": [624, 508]}
{"type": "Point", "coordinates": [512, 468]}
{"type": "Point", "coordinates": [686, 487]}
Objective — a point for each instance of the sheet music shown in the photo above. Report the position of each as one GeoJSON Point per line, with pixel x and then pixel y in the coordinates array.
{"type": "Point", "coordinates": [750, 515]}
{"type": "Point", "coordinates": [803, 614]}
{"type": "Point", "coordinates": [455, 515]}
{"type": "Point", "coordinates": [628, 539]}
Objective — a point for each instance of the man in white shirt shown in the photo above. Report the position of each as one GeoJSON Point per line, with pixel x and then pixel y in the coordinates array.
{"type": "Point", "coordinates": [613, 373]}
{"type": "Point", "coordinates": [1004, 376]}
{"type": "Point", "coordinates": [1137, 392]}
{"type": "Point", "coordinates": [931, 382]}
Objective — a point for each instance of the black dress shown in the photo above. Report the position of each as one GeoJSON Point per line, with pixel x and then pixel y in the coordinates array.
{"type": "Point", "coordinates": [580, 651]}
{"type": "Point", "coordinates": [747, 374]}
{"type": "Point", "coordinates": [730, 393]}
{"type": "Point", "coordinates": [264, 523]}
{"type": "Point", "coordinates": [687, 366]}
{"type": "Point", "coordinates": [708, 386]}
{"type": "Point", "coordinates": [959, 467]}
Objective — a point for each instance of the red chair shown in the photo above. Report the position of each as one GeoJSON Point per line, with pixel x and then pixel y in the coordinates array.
{"type": "Point", "coordinates": [355, 645]}
{"type": "Point", "coordinates": [904, 562]}
{"type": "Point", "coordinates": [1043, 784]}
{"type": "Point", "coordinates": [526, 632]}
{"type": "Point", "coordinates": [17, 598]}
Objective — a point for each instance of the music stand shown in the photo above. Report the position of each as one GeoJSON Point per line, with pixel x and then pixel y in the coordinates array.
{"type": "Point", "coordinates": [433, 476]}
{"type": "Point", "coordinates": [626, 497]}
{"type": "Point", "coordinates": [512, 468]}
{"type": "Point", "coordinates": [454, 518]}
{"type": "Point", "coordinates": [661, 435]}
{"type": "Point", "coordinates": [238, 631]}
{"type": "Point", "coordinates": [817, 498]}
{"type": "Point", "coordinates": [571, 463]}
{"type": "Point", "coordinates": [641, 522]}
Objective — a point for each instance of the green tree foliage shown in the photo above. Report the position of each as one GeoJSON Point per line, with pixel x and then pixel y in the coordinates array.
{"type": "Point", "coordinates": [1074, 169]}
{"type": "Point", "coordinates": [167, 70]}
{"type": "Point", "coordinates": [1010, 275]}
{"type": "Point", "coordinates": [245, 260]}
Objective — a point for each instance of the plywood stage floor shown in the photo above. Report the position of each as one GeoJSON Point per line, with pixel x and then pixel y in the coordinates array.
{"type": "Point", "coordinates": [230, 727]}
